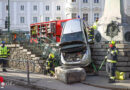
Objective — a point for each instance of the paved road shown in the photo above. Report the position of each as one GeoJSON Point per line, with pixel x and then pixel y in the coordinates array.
{"type": "Point", "coordinates": [14, 88]}
{"type": "Point", "coordinates": [40, 80]}
{"type": "Point", "coordinates": [23, 88]}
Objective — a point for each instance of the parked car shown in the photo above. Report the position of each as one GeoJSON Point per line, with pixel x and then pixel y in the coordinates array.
{"type": "Point", "coordinates": [74, 47]}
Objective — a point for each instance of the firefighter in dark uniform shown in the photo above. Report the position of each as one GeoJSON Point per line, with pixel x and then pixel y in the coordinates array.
{"type": "Point", "coordinates": [4, 54]}
{"type": "Point", "coordinates": [50, 65]}
{"type": "Point", "coordinates": [91, 31]}
{"type": "Point", "coordinates": [111, 61]}
{"type": "Point", "coordinates": [91, 35]}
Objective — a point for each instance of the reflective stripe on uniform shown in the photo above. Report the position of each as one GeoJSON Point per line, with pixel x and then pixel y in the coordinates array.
{"type": "Point", "coordinates": [91, 35]}
{"type": "Point", "coordinates": [111, 61]}
{"type": "Point", "coordinates": [112, 77]}
{"type": "Point", "coordinates": [116, 51]}
{"type": "Point", "coordinates": [52, 72]}
{"type": "Point", "coordinates": [112, 52]}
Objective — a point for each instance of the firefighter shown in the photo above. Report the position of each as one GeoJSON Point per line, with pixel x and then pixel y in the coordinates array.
{"type": "Point", "coordinates": [4, 54]}
{"type": "Point", "coordinates": [34, 32]}
{"type": "Point", "coordinates": [50, 65]}
{"type": "Point", "coordinates": [15, 38]}
{"type": "Point", "coordinates": [90, 35]}
{"type": "Point", "coordinates": [91, 31]}
{"type": "Point", "coordinates": [111, 61]}
{"type": "Point", "coordinates": [95, 24]}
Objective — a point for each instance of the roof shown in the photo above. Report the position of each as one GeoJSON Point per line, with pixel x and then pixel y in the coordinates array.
{"type": "Point", "coordinates": [72, 26]}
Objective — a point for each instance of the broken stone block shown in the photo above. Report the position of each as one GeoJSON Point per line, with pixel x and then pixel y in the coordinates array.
{"type": "Point", "coordinates": [69, 74]}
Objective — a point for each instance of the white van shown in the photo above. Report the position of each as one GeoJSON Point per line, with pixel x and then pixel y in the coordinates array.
{"type": "Point", "coordinates": [75, 49]}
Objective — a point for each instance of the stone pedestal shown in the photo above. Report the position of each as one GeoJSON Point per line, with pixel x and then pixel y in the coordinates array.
{"type": "Point", "coordinates": [115, 22]}
{"type": "Point", "coordinates": [70, 74]}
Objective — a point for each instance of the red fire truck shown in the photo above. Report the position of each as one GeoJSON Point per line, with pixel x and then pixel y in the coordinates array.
{"type": "Point", "coordinates": [51, 29]}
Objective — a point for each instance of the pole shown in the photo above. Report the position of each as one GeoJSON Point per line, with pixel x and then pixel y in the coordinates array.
{"type": "Point", "coordinates": [8, 16]}
{"type": "Point", "coordinates": [9, 20]}
{"type": "Point", "coordinates": [28, 78]}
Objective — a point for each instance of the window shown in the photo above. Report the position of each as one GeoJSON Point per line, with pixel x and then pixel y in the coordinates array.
{"type": "Point", "coordinates": [73, 0]}
{"type": "Point", "coordinates": [34, 19]}
{"type": "Point", "coordinates": [73, 15]}
{"type": "Point", "coordinates": [96, 15]}
{"type": "Point", "coordinates": [85, 16]}
{"type": "Point", "coordinates": [7, 7]}
{"type": "Point", "coordinates": [35, 8]}
{"type": "Point", "coordinates": [58, 18]}
{"type": "Point", "coordinates": [47, 19]}
{"type": "Point", "coordinates": [85, 1]}
{"type": "Point", "coordinates": [21, 19]}
{"type": "Point", "coordinates": [6, 18]}
{"type": "Point", "coordinates": [58, 8]}
{"type": "Point", "coordinates": [96, 1]}
{"type": "Point", "coordinates": [47, 8]}
{"type": "Point", "coordinates": [22, 7]}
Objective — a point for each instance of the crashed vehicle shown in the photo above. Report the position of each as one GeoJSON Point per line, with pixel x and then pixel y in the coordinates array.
{"type": "Point", "coordinates": [74, 47]}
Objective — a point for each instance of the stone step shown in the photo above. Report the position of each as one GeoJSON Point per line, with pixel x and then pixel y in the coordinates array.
{"type": "Point", "coordinates": [36, 58]}
{"type": "Point", "coordinates": [24, 50]}
{"type": "Point", "coordinates": [17, 45]}
{"type": "Point", "coordinates": [10, 45]}
{"type": "Point", "coordinates": [120, 68]}
{"type": "Point", "coordinates": [99, 53]}
{"type": "Point", "coordinates": [28, 53]}
{"type": "Point", "coordinates": [120, 58]}
{"type": "Point", "coordinates": [33, 55]}
{"type": "Point", "coordinates": [126, 46]}
{"type": "Point", "coordinates": [104, 52]}
{"type": "Point", "coordinates": [119, 64]}
{"type": "Point", "coordinates": [20, 48]}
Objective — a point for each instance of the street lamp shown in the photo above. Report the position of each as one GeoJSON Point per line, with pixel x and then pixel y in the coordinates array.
{"type": "Point", "coordinates": [9, 20]}
{"type": "Point", "coordinates": [8, 16]}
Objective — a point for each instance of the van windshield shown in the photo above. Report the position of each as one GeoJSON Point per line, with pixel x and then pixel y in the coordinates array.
{"type": "Point", "coordinates": [77, 36]}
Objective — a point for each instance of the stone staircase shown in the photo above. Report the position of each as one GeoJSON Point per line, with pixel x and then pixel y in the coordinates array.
{"type": "Point", "coordinates": [19, 57]}
{"type": "Point", "coordinates": [99, 51]}
{"type": "Point", "coordinates": [33, 49]}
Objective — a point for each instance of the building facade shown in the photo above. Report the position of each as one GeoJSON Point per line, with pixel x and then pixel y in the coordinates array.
{"type": "Point", "coordinates": [25, 12]}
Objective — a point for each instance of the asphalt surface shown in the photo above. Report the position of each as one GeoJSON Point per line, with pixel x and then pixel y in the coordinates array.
{"type": "Point", "coordinates": [14, 77]}
{"type": "Point", "coordinates": [14, 88]}
{"type": "Point", "coordinates": [80, 87]}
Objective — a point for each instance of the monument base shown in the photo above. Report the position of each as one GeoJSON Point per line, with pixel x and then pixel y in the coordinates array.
{"type": "Point", "coordinates": [70, 74]}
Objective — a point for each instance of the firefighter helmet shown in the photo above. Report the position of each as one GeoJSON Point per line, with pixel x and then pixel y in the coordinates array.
{"type": "Point", "coordinates": [113, 42]}
{"type": "Point", "coordinates": [51, 55]}
{"type": "Point", "coordinates": [3, 42]}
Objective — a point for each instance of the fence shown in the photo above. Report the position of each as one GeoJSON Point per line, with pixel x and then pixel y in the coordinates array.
{"type": "Point", "coordinates": [27, 66]}
{"type": "Point", "coordinates": [41, 48]}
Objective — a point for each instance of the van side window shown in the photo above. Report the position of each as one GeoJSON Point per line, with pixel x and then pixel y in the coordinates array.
{"type": "Point", "coordinates": [85, 31]}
